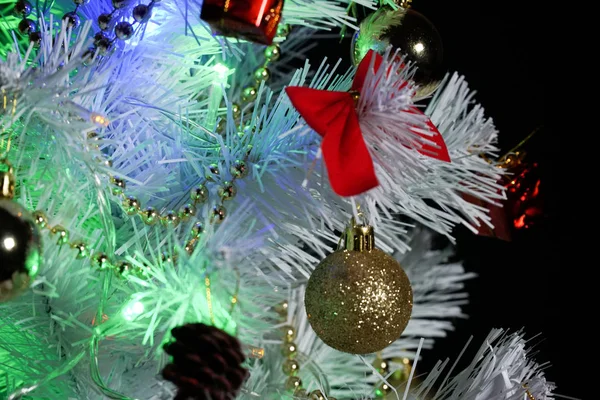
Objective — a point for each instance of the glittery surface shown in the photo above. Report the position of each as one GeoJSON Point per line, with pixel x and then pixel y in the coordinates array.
{"type": "Point", "coordinates": [358, 302]}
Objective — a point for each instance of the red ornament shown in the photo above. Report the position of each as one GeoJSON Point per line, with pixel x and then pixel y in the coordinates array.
{"type": "Point", "coordinates": [524, 197]}
{"type": "Point", "coordinates": [253, 20]}
{"type": "Point", "coordinates": [523, 207]}
{"type": "Point", "coordinates": [333, 116]}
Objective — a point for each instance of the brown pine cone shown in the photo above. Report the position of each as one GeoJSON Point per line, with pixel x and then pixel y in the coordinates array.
{"type": "Point", "coordinates": [206, 363]}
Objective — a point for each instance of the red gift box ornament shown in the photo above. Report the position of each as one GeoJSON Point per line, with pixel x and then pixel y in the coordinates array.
{"type": "Point", "coordinates": [253, 20]}
{"type": "Point", "coordinates": [333, 115]}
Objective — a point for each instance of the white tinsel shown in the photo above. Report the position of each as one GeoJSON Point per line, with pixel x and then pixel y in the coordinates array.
{"type": "Point", "coordinates": [502, 369]}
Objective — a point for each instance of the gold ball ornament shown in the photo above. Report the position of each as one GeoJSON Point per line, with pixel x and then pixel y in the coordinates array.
{"type": "Point", "coordinates": [413, 34]}
{"type": "Point", "coordinates": [358, 300]}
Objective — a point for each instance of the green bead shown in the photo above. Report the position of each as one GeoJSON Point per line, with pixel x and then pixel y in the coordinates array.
{"type": "Point", "coordinates": [249, 94]}
{"type": "Point", "coordinates": [272, 52]}
{"type": "Point", "coordinates": [262, 74]}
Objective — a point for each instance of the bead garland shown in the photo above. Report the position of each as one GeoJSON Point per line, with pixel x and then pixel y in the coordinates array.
{"type": "Point", "coordinates": [291, 366]}
{"type": "Point", "coordinates": [123, 30]}
{"type": "Point", "coordinates": [261, 74]}
{"type": "Point", "coordinates": [23, 8]}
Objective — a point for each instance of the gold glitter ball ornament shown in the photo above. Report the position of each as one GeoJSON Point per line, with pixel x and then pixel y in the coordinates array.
{"type": "Point", "coordinates": [410, 32]}
{"type": "Point", "coordinates": [358, 299]}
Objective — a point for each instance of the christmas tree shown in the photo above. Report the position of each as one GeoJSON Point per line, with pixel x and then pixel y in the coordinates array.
{"type": "Point", "coordinates": [191, 208]}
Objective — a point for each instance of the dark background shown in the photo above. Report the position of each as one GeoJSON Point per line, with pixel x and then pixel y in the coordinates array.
{"type": "Point", "coordinates": [499, 49]}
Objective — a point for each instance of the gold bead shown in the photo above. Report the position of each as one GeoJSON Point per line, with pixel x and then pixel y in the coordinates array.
{"type": "Point", "coordinates": [118, 185]}
{"type": "Point", "coordinates": [290, 367]}
{"type": "Point", "coordinates": [93, 135]}
{"type": "Point", "coordinates": [282, 308]}
{"type": "Point", "coordinates": [131, 205]}
{"type": "Point", "coordinates": [197, 229]}
{"type": "Point", "coordinates": [239, 169]}
{"type": "Point", "coordinates": [382, 391]}
{"type": "Point", "coordinates": [227, 191]}
{"type": "Point", "coordinates": [293, 383]}
{"type": "Point", "coordinates": [249, 128]}
{"type": "Point", "coordinates": [218, 214]}
{"type": "Point", "coordinates": [283, 30]}
{"type": "Point", "coordinates": [149, 216]}
{"type": "Point", "coordinates": [40, 219]}
{"type": "Point", "coordinates": [82, 250]}
{"type": "Point", "coordinates": [301, 393]}
{"type": "Point", "coordinates": [289, 333]}
{"type": "Point", "coordinates": [272, 52]}
{"type": "Point", "coordinates": [355, 96]}
{"type": "Point", "coordinates": [186, 212]}
{"type": "Point", "coordinates": [317, 395]}
{"type": "Point", "coordinates": [289, 350]}
{"type": "Point", "coordinates": [191, 245]}
{"type": "Point", "coordinates": [199, 194]}
{"type": "Point", "coordinates": [236, 110]}
{"type": "Point", "coordinates": [167, 257]}
{"type": "Point", "coordinates": [107, 162]}
{"type": "Point", "coordinates": [262, 74]}
{"type": "Point", "coordinates": [221, 125]}
{"type": "Point", "coordinates": [141, 271]}
{"type": "Point", "coordinates": [249, 94]}
{"type": "Point", "coordinates": [248, 149]}
{"type": "Point", "coordinates": [213, 171]}
{"type": "Point", "coordinates": [382, 367]}
{"type": "Point", "coordinates": [101, 261]}
{"type": "Point", "coordinates": [63, 234]}
{"type": "Point", "coordinates": [170, 219]}
{"type": "Point", "coordinates": [123, 269]}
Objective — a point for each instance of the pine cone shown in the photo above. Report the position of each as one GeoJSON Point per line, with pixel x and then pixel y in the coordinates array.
{"type": "Point", "coordinates": [206, 363]}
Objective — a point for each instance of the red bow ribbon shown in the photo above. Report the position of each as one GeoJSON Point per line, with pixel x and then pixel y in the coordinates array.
{"type": "Point", "coordinates": [333, 116]}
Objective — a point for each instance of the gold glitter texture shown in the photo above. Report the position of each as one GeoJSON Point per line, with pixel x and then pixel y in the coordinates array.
{"type": "Point", "coordinates": [358, 302]}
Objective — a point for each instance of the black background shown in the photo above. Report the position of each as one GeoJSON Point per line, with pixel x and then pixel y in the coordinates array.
{"type": "Point", "coordinates": [520, 284]}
